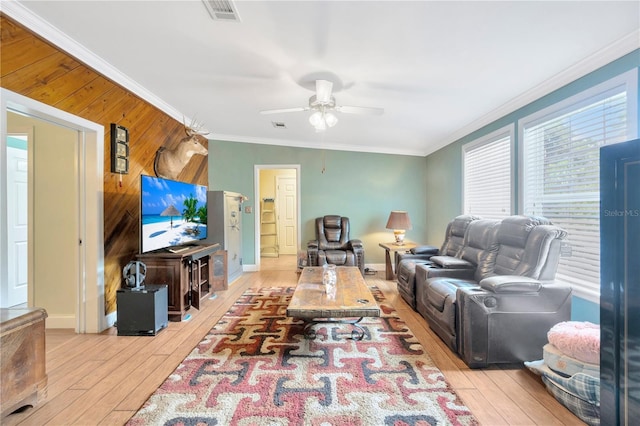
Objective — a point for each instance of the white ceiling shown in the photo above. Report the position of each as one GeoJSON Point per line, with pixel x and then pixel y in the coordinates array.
{"type": "Point", "coordinates": [440, 69]}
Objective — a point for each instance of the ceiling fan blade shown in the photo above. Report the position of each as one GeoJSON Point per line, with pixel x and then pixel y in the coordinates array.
{"type": "Point", "coordinates": [360, 110]}
{"type": "Point", "coordinates": [323, 91]}
{"type": "Point", "coordinates": [278, 111]}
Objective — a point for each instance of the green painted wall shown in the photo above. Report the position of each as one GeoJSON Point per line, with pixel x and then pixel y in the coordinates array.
{"type": "Point", "coordinates": [443, 192]}
{"type": "Point", "coordinates": [362, 186]}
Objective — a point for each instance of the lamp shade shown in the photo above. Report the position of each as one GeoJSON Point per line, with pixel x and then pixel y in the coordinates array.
{"type": "Point", "coordinates": [399, 220]}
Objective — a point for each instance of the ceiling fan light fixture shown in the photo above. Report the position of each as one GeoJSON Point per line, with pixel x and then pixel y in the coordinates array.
{"type": "Point", "coordinates": [320, 120]}
{"type": "Point", "coordinates": [330, 119]}
{"type": "Point", "coordinates": [316, 119]}
{"type": "Point", "coordinates": [323, 106]}
{"type": "Point", "coordinates": [321, 127]}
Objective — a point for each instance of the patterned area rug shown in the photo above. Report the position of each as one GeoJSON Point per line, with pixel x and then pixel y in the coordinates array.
{"type": "Point", "coordinates": [255, 367]}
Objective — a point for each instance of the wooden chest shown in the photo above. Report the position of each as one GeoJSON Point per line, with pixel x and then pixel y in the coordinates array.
{"type": "Point", "coordinates": [23, 376]}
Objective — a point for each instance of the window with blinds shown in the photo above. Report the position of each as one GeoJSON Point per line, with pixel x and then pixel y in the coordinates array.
{"type": "Point", "coordinates": [560, 172]}
{"type": "Point", "coordinates": [487, 175]}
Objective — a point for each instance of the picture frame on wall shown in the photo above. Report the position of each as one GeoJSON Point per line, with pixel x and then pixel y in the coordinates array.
{"type": "Point", "coordinates": [119, 149]}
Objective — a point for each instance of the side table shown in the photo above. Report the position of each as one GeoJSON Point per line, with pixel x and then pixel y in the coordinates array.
{"type": "Point", "coordinates": [395, 248]}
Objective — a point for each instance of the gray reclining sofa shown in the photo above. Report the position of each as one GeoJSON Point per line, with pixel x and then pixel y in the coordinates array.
{"type": "Point", "coordinates": [495, 300]}
{"type": "Point", "coordinates": [421, 255]}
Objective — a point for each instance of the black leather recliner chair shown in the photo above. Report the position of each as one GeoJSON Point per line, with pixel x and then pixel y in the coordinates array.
{"type": "Point", "coordinates": [332, 244]}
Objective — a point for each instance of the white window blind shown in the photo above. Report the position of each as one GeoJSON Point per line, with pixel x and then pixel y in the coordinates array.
{"type": "Point", "coordinates": [560, 175]}
{"type": "Point", "coordinates": [487, 176]}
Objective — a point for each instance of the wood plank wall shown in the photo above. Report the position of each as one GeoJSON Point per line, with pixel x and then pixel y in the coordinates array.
{"type": "Point", "coordinates": [39, 70]}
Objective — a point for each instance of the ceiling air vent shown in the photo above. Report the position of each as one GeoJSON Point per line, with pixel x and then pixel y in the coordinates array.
{"type": "Point", "coordinates": [222, 10]}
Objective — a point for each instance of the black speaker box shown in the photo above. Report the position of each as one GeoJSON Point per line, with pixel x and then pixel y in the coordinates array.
{"type": "Point", "coordinates": [142, 311]}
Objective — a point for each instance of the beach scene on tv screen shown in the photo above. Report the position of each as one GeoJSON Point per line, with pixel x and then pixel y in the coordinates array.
{"type": "Point", "coordinates": [173, 213]}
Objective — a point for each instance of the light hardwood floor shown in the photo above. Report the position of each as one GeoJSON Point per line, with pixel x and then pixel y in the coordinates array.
{"type": "Point", "coordinates": [102, 379]}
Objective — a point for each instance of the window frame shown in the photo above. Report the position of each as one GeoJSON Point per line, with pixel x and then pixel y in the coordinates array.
{"type": "Point", "coordinates": [629, 80]}
{"type": "Point", "coordinates": [507, 131]}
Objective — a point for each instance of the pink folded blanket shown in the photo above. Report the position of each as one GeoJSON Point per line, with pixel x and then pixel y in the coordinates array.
{"type": "Point", "coordinates": [580, 340]}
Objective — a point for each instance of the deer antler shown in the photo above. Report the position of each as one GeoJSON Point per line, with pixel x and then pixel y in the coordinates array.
{"type": "Point", "coordinates": [194, 128]}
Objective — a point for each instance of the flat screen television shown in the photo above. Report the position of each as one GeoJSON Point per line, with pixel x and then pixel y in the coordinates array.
{"type": "Point", "coordinates": [172, 214]}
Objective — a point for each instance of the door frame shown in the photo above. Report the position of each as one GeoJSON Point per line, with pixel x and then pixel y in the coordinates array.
{"type": "Point", "coordinates": [256, 197]}
{"type": "Point", "coordinates": [90, 312]}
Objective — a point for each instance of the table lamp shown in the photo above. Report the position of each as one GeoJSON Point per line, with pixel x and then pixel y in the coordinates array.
{"type": "Point", "coordinates": [399, 221]}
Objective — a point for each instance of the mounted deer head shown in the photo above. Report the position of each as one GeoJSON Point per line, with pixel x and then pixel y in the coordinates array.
{"type": "Point", "coordinates": [170, 162]}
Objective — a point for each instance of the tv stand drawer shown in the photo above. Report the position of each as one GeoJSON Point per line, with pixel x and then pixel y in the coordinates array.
{"type": "Point", "coordinates": [190, 275]}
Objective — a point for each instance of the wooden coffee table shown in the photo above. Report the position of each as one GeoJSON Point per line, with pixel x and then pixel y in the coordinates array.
{"type": "Point", "coordinates": [349, 303]}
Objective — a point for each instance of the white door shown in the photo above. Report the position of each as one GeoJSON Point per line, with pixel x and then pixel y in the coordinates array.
{"type": "Point", "coordinates": [17, 214]}
{"type": "Point", "coordinates": [286, 191]}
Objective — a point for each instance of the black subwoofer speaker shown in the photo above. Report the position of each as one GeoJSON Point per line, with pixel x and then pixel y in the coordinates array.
{"type": "Point", "coordinates": [142, 311]}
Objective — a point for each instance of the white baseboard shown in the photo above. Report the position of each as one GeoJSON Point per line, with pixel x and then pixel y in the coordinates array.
{"type": "Point", "coordinates": [60, 321]}
{"type": "Point", "coordinates": [69, 321]}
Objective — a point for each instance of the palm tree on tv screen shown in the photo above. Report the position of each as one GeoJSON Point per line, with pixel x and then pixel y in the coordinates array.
{"type": "Point", "coordinates": [189, 213]}
{"type": "Point", "coordinates": [202, 215]}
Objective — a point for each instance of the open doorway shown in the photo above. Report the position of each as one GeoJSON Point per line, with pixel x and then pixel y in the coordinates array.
{"type": "Point", "coordinates": [42, 218]}
{"type": "Point", "coordinates": [78, 202]}
{"type": "Point", "coordinates": [277, 239]}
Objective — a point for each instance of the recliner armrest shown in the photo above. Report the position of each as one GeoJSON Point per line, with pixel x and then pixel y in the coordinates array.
{"type": "Point", "coordinates": [429, 270]}
{"type": "Point", "coordinates": [420, 258]}
{"type": "Point", "coordinates": [356, 244]}
{"type": "Point", "coordinates": [312, 253]}
{"type": "Point", "coordinates": [510, 284]}
{"type": "Point", "coordinates": [510, 327]}
{"type": "Point", "coordinates": [450, 262]}
{"type": "Point", "coordinates": [358, 250]}
{"type": "Point", "coordinates": [429, 250]}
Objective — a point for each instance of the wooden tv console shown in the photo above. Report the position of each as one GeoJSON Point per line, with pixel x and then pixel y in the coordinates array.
{"type": "Point", "coordinates": [190, 275]}
{"type": "Point", "coordinates": [22, 358]}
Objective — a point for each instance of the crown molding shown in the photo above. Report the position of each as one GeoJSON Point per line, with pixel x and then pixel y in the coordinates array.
{"type": "Point", "coordinates": [313, 145]}
{"type": "Point", "coordinates": [616, 50]}
{"type": "Point", "coordinates": [50, 33]}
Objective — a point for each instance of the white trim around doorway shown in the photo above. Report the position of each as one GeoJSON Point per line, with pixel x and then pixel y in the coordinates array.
{"type": "Point", "coordinates": [90, 313]}
{"type": "Point", "coordinates": [256, 197]}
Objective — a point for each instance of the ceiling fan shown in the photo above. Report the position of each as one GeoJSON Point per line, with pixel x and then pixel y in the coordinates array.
{"type": "Point", "coordinates": [323, 104]}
